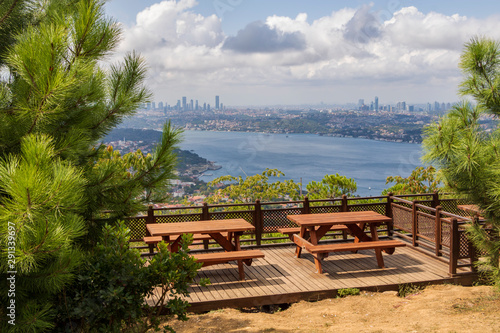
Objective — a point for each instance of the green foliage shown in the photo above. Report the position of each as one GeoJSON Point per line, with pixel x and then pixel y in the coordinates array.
{"type": "Point", "coordinates": [348, 292]}
{"type": "Point", "coordinates": [57, 102]}
{"type": "Point", "coordinates": [252, 188]}
{"type": "Point", "coordinates": [467, 155]}
{"type": "Point", "coordinates": [42, 196]}
{"type": "Point", "coordinates": [421, 180]}
{"type": "Point", "coordinates": [331, 186]}
{"type": "Point", "coordinates": [112, 285]}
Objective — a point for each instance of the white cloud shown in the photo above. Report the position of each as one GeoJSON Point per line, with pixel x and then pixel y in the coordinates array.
{"type": "Point", "coordinates": [348, 48]}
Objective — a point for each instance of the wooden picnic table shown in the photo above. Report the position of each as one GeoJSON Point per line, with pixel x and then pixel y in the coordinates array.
{"type": "Point", "coordinates": [172, 233]}
{"type": "Point", "coordinates": [314, 226]}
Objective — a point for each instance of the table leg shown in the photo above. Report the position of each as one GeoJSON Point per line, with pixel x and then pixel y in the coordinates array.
{"type": "Point", "coordinates": [224, 242]}
{"type": "Point", "coordinates": [378, 252]}
{"type": "Point", "coordinates": [318, 258]}
{"type": "Point", "coordinates": [298, 250]}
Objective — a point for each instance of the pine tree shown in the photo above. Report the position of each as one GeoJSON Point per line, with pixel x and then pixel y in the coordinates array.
{"type": "Point", "coordinates": [469, 157]}
{"type": "Point", "coordinates": [57, 102]}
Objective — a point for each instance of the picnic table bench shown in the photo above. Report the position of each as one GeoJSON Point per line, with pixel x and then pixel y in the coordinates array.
{"type": "Point", "coordinates": [241, 256]}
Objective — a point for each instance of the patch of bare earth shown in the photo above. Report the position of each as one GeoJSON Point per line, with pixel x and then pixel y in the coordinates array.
{"type": "Point", "coordinates": [442, 308]}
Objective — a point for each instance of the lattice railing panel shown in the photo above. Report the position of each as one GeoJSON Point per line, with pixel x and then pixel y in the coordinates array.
{"type": "Point", "coordinates": [274, 219]}
{"type": "Point", "coordinates": [379, 208]}
{"type": "Point", "coordinates": [402, 218]}
{"type": "Point", "coordinates": [450, 206]}
{"type": "Point", "coordinates": [445, 234]}
{"type": "Point", "coordinates": [426, 226]}
{"type": "Point", "coordinates": [324, 209]}
{"type": "Point", "coordinates": [464, 251]}
{"type": "Point", "coordinates": [247, 216]}
{"type": "Point", "coordinates": [177, 218]}
{"type": "Point", "coordinates": [137, 227]}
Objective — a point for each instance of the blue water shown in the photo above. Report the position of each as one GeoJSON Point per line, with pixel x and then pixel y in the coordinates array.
{"type": "Point", "coordinates": [305, 157]}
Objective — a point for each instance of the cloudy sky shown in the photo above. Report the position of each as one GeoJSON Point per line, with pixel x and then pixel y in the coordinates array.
{"type": "Point", "coordinates": [286, 52]}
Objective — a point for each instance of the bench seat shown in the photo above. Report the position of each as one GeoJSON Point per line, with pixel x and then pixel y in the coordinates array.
{"type": "Point", "coordinates": [320, 252]}
{"type": "Point", "coordinates": [196, 237]}
{"type": "Point", "coordinates": [342, 247]}
{"type": "Point", "coordinates": [215, 258]}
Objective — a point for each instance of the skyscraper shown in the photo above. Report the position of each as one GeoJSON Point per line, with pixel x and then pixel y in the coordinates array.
{"type": "Point", "coordinates": [376, 103]}
{"type": "Point", "coordinates": [184, 103]}
{"type": "Point", "coordinates": [217, 102]}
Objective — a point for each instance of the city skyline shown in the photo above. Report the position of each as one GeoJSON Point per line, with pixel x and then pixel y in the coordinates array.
{"type": "Point", "coordinates": [295, 52]}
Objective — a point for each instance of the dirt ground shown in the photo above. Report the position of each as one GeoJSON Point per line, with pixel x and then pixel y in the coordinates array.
{"type": "Point", "coordinates": [441, 308]}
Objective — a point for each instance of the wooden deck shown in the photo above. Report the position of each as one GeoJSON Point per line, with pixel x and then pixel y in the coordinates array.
{"type": "Point", "coordinates": [281, 278]}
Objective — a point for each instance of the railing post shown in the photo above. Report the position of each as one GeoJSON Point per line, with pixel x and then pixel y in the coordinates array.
{"type": "Point", "coordinates": [344, 207]}
{"type": "Point", "coordinates": [435, 199]}
{"type": "Point", "coordinates": [454, 246]}
{"type": "Point", "coordinates": [258, 222]}
{"type": "Point", "coordinates": [205, 215]}
{"type": "Point", "coordinates": [150, 218]}
{"type": "Point", "coordinates": [388, 213]}
{"type": "Point", "coordinates": [306, 209]}
{"type": "Point", "coordinates": [438, 238]}
{"type": "Point", "coordinates": [414, 223]}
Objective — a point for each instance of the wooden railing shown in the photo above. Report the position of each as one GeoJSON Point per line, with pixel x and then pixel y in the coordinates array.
{"type": "Point", "coordinates": [427, 222]}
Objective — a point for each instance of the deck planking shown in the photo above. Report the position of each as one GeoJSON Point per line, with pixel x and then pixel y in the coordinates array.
{"type": "Point", "coordinates": [279, 277]}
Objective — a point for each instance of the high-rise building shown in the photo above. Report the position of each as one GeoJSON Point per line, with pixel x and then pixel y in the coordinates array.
{"type": "Point", "coordinates": [191, 106]}
{"type": "Point", "coordinates": [184, 103]}
{"type": "Point", "coordinates": [153, 105]}
{"type": "Point", "coordinates": [376, 103]}
{"type": "Point", "coordinates": [217, 102]}
{"type": "Point", "coordinates": [196, 105]}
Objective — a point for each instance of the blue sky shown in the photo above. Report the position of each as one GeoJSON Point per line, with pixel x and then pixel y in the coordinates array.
{"type": "Point", "coordinates": [256, 52]}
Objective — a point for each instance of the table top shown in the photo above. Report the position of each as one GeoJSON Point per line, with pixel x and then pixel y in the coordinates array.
{"type": "Point", "coordinates": [199, 227]}
{"type": "Point", "coordinates": [338, 218]}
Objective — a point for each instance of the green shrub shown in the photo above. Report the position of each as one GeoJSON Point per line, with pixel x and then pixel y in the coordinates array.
{"type": "Point", "coordinates": [110, 290]}
{"type": "Point", "coordinates": [348, 292]}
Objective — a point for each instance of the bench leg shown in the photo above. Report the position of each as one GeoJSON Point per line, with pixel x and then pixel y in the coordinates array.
{"type": "Point", "coordinates": [318, 258]}
{"type": "Point", "coordinates": [241, 270]}
{"type": "Point", "coordinates": [298, 250]}
{"type": "Point", "coordinates": [151, 248]}
{"type": "Point", "coordinates": [380, 259]}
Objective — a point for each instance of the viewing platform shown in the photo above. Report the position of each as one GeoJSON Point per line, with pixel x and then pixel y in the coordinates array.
{"type": "Point", "coordinates": [432, 227]}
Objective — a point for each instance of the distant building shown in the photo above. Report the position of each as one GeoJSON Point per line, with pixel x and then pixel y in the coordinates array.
{"type": "Point", "coordinates": [184, 103]}
{"type": "Point", "coordinates": [196, 105]}
{"type": "Point", "coordinates": [191, 106]}
{"type": "Point", "coordinates": [217, 102]}
{"type": "Point", "coordinates": [376, 103]}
